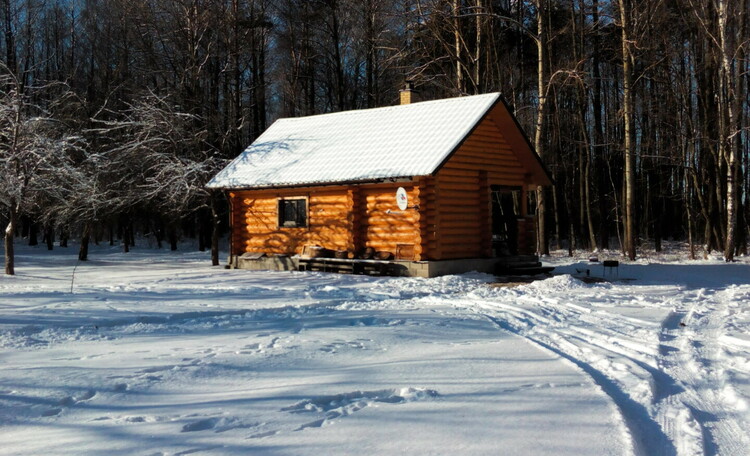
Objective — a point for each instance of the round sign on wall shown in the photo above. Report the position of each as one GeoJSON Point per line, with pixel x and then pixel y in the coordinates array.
{"type": "Point", "coordinates": [401, 199]}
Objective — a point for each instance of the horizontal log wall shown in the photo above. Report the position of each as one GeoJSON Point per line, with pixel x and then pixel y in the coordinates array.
{"type": "Point", "coordinates": [255, 221]}
{"type": "Point", "coordinates": [383, 225]}
{"type": "Point", "coordinates": [339, 218]}
{"type": "Point", "coordinates": [463, 225]}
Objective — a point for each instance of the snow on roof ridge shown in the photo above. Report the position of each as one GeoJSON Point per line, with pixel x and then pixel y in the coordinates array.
{"type": "Point", "coordinates": [356, 145]}
{"type": "Point", "coordinates": [363, 111]}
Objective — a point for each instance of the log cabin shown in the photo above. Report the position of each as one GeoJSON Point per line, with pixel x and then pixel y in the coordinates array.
{"type": "Point", "coordinates": [431, 187]}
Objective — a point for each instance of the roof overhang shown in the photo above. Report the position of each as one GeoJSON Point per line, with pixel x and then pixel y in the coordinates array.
{"type": "Point", "coordinates": [386, 180]}
{"type": "Point", "coordinates": [519, 142]}
{"type": "Point", "coordinates": [500, 114]}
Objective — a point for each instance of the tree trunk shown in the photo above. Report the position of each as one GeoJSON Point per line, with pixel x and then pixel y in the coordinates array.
{"type": "Point", "coordinates": [556, 213]}
{"type": "Point", "coordinates": [214, 231]}
{"type": "Point", "coordinates": [33, 234]}
{"type": "Point", "coordinates": [10, 40]}
{"type": "Point", "coordinates": [49, 236]}
{"type": "Point", "coordinates": [542, 243]}
{"type": "Point", "coordinates": [587, 201]}
{"type": "Point", "coordinates": [478, 47]}
{"type": "Point", "coordinates": [339, 66]}
{"type": "Point", "coordinates": [9, 233]}
{"type": "Point", "coordinates": [172, 237]}
{"type": "Point", "coordinates": [728, 139]}
{"type": "Point", "coordinates": [689, 213]}
{"type": "Point", "coordinates": [627, 96]}
{"type": "Point", "coordinates": [125, 223]}
{"type": "Point", "coordinates": [159, 233]}
{"type": "Point", "coordinates": [131, 233]}
{"type": "Point", "coordinates": [83, 252]}
{"type": "Point", "coordinates": [598, 148]}
{"type": "Point", "coordinates": [203, 238]}
{"type": "Point", "coordinates": [586, 174]}
{"type": "Point", "coordinates": [457, 45]}
{"type": "Point", "coordinates": [370, 53]}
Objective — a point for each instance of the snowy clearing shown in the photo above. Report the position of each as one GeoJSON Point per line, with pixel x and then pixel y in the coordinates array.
{"type": "Point", "coordinates": [158, 354]}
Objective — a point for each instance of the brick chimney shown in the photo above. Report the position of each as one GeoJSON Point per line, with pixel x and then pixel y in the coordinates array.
{"type": "Point", "coordinates": [408, 95]}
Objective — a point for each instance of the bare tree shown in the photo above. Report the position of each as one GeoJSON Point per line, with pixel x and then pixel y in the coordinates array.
{"type": "Point", "coordinates": [627, 113]}
{"type": "Point", "coordinates": [32, 150]}
{"type": "Point", "coordinates": [156, 156]}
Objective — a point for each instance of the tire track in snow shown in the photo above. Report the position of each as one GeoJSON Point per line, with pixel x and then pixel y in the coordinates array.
{"type": "Point", "coordinates": [678, 421]}
{"type": "Point", "coordinates": [646, 435]}
{"type": "Point", "coordinates": [662, 377]}
{"type": "Point", "coordinates": [691, 352]}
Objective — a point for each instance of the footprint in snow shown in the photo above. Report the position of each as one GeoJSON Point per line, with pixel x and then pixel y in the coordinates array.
{"type": "Point", "coordinates": [52, 412]}
{"type": "Point", "coordinates": [86, 396]}
{"type": "Point", "coordinates": [261, 435]}
{"type": "Point", "coordinates": [340, 405]}
{"type": "Point", "coordinates": [217, 424]}
{"type": "Point", "coordinates": [201, 425]}
{"type": "Point", "coordinates": [332, 347]}
{"type": "Point", "coordinates": [69, 401]}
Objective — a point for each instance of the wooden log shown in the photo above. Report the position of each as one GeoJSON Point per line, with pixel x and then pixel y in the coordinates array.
{"type": "Point", "coordinates": [478, 152]}
{"type": "Point", "coordinates": [453, 186]}
{"type": "Point", "coordinates": [388, 198]}
{"type": "Point", "coordinates": [458, 208]}
{"type": "Point", "coordinates": [458, 224]}
{"type": "Point", "coordinates": [485, 163]}
{"type": "Point", "coordinates": [496, 158]}
{"type": "Point", "coordinates": [482, 150]}
{"type": "Point", "coordinates": [467, 175]}
{"type": "Point", "coordinates": [392, 238]}
{"type": "Point", "coordinates": [329, 206]}
{"type": "Point", "coordinates": [511, 173]}
{"type": "Point", "coordinates": [448, 170]}
{"type": "Point", "coordinates": [485, 130]}
{"type": "Point", "coordinates": [392, 228]}
{"type": "Point", "coordinates": [383, 245]}
{"type": "Point", "coordinates": [488, 143]}
{"type": "Point", "coordinates": [383, 219]}
{"type": "Point", "coordinates": [457, 230]}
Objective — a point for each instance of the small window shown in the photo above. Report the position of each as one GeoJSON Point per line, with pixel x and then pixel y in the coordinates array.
{"type": "Point", "coordinates": [293, 213]}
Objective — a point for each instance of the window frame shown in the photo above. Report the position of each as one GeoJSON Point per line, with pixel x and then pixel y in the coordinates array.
{"type": "Point", "coordinates": [281, 221]}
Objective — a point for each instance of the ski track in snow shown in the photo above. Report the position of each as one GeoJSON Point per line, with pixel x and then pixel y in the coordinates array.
{"type": "Point", "coordinates": [670, 383]}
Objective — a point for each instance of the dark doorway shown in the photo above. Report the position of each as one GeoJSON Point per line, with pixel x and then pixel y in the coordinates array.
{"type": "Point", "coordinates": [506, 209]}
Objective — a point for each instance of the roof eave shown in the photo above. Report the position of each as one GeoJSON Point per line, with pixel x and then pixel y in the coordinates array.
{"type": "Point", "coordinates": [381, 180]}
{"type": "Point", "coordinates": [534, 153]}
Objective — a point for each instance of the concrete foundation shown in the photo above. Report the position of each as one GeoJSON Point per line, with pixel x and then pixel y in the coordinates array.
{"type": "Point", "coordinates": [404, 268]}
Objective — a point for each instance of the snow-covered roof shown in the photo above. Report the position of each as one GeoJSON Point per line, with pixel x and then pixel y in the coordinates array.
{"type": "Point", "coordinates": [361, 145]}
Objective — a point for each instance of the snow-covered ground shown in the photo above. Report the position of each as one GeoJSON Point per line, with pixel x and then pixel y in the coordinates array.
{"type": "Point", "coordinates": [154, 353]}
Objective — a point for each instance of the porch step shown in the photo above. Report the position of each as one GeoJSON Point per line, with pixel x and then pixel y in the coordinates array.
{"type": "Point", "coordinates": [518, 259]}
{"type": "Point", "coordinates": [522, 265]}
{"type": "Point", "coordinates": [529, 270]}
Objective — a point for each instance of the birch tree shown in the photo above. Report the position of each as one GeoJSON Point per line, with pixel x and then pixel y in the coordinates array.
{"type": "Point", "coordinates": [541, 44]}
{"type": "Point", "coordinates": [721, 22]}
{"type": "Point", "coordinates": [729, 103]}
{"type": "Point", "coordinates": [627, 114]}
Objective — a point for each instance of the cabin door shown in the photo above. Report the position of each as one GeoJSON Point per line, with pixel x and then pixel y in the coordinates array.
{"type": "Point", "coordinates": [506, 209]}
